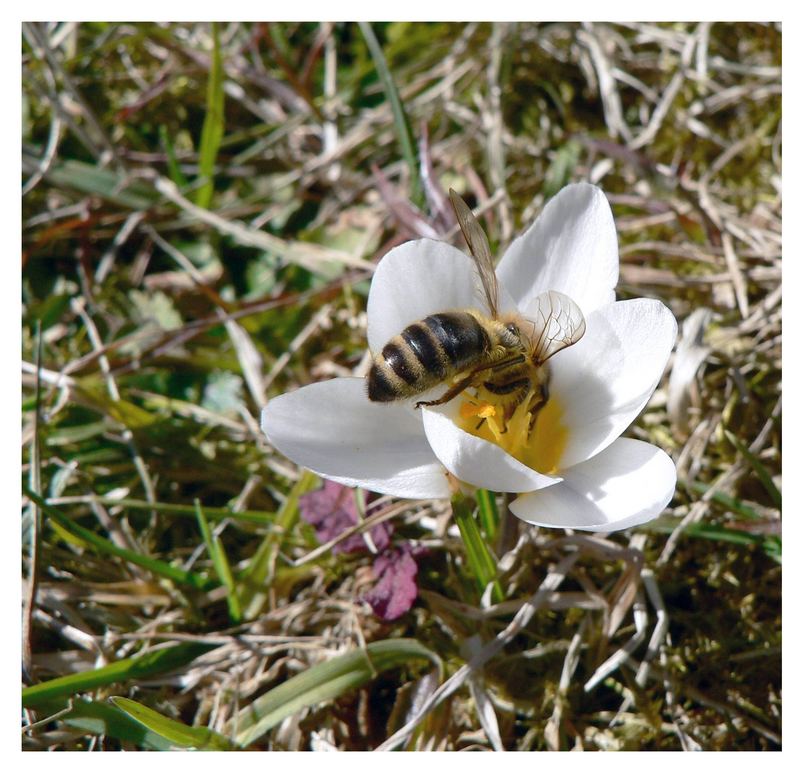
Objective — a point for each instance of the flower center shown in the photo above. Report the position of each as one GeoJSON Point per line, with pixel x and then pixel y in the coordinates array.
{"type": "Point", "coordinates": [536, 439]}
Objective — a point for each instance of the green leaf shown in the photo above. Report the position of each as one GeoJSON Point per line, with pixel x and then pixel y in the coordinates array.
{"type": "Point", "coordinates": [197, 737]}
{"type": "Point", "coordinates": [87, 537]}
{"type": "Point", "coordinates": [156, 306]}
{"type": "Point", "coordinates": [148, 664]}
{"type": "Point", "coordinates": [213, 125]}
{"type": "Point", "coordinates": [398, 113]}
{"type": "Point", "coordinates": [223, 393]}
{"type": "Point", "coordinates": [325, 681]}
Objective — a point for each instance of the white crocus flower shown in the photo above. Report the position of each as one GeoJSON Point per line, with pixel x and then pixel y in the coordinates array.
{"type": "Point", "coordinates": [572, 470]}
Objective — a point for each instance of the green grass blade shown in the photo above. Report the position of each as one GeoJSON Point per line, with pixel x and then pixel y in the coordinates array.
{"type": "Point", "coordinates": [148, 664]}
{"type": "Point", "coordinates": [33, 515]}
{"type": "Point", "coordinates": [758, 468]}
{"type": "Point", "coordinates": [101, 719]}
{"type": "Point", "coordinates": [179, 510]}
{"type": "Point", "coordinates": [261, 569]}
{"type": "Point", "coordinates": [187, 736]}
{"type": "Point", "coordinates": [480, 559]}
{"type": "Point", "coordinates": [213, 125]}
{"type": "Point", "coordinates": [706, 531]}
{"type": "Point", "coordinates": [173, 168]}
{"type": "Point", "coordinates": [221, 565]}
{"type": "Point", "coordinates": [773, 546]}
{"type": "Point", "coordinates": [743, 510]}
{"type": "Point", "coordinates": [104, 546]}
{"type": "Point", "coordinates": [326, 681]}
{"type": "Point", "coordinates": [407, 145]}
{"type": "Point", "coordinates": [93, 389]}
{"type": "Point", "coordinates": [103, 182]}
{"type": "Point", "coordinates": [770, 543]}
{"type": "Point", "coordinates": [560, 172]}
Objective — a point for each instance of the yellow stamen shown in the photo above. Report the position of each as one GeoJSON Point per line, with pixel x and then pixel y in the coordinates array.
{"type": "Point", "coordinates": [537, 440]}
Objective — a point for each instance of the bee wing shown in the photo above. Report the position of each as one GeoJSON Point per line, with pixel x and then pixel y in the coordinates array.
{"type": "Point", "coordinates": [557, 323]}
{"type": "Point", "coordinates": [479, 249]}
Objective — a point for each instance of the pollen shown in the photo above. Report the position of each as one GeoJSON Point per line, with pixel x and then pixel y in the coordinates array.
{"type": "Point", "coordinates": [536, 439]}
{"type": "Point", "coordinates": [481, 409]}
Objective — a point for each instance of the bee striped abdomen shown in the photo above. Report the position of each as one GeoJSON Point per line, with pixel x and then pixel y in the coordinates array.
{"type": "Point", "coordinates": [461, 337]}
{"type": "Point", "coordinates": [421, 341]}
{"type": "Point", "coordinates": [401, 361]}
{"type": "Point", "coordinates": [426, 354]}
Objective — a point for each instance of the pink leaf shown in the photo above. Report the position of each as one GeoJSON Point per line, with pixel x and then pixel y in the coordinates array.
{"type": "Point", "coordinates": [332, 510]}
{"type": "Point", "coordinates": [396, 588]}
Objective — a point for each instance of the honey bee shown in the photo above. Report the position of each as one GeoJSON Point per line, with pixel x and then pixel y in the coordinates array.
{"type": "Point", "coordinates": [504, 355]}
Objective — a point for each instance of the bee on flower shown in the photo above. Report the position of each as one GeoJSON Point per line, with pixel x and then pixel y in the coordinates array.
{"type": "Point", "coordinates": [521, 381]}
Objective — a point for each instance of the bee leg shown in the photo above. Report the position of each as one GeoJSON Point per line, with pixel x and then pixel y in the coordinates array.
{"type": "Point", "coordinates": [520, 387]}
{"type": "Point", "coordinates": [456, 389]}
{"type": "Point", "coordinates": [544, 395]}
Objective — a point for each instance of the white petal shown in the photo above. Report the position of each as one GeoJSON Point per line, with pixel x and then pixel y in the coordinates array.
{"type": "Point", "coordinates": [333, 429]}
{"type": "Point", "coordinates": [604, 381]}
{"type": "Point", "coordinates": [476, 461]}
{"type": "Point", "coordinates": [571, 247]}
{"type": "Point", "coordinates": [413, 281]}
{"type": "Point", "coordinates": [417, 279]}
{"type": "Point", "coordinates": [629, 483]}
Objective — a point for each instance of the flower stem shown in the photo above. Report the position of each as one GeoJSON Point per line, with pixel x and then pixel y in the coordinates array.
{"type": "Point", "coordinates": [487, 513]}
{"type": "Point", "coordinates": [479, 556]}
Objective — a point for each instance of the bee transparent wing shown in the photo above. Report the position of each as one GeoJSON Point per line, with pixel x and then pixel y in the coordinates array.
{"type": "Point", "coordinates": [557, 324]}
{"type": "Point", "coordinates": [478, 245]}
